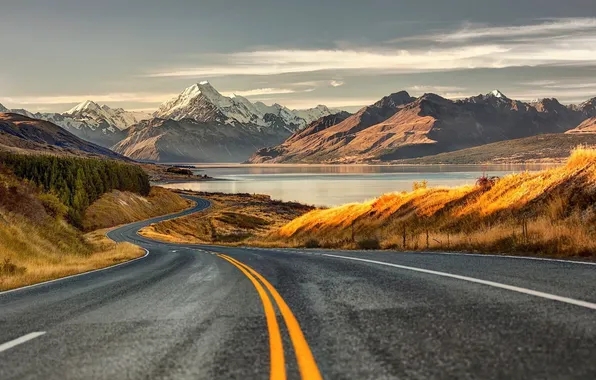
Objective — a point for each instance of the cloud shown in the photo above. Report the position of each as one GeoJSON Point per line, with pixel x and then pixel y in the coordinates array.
{"type": "Point", "coordinates": [260, 91]}
{"type": "Point", "coordinates": [432, 88]}
{"type": "Point", "coordinates": [336, 83]}
{"type": "Point", "coordinates": [559, 42]}
{"type": "Point", "coordinates": [100, 98]}
{"type": "Point", "coordinates": [561, 26]}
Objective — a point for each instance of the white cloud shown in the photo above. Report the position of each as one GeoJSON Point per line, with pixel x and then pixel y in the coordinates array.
{"type": "Point", "coordinates": [260, 91]}
{"type": "Point", "coordinates": [469, 32]}
{"type": "Point", "coordinates": [100, 98]}
{"type": "Point", "coordinates": [555, 42]}
{"type": "Point", "coordinates": [336, 83]}
{"type": "Point", "coordinates": [432, 88]}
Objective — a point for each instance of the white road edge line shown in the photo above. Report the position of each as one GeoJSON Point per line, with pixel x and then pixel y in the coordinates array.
{"type": "Point", "coordinates": [509, 257]}
{"type": "Point", "coordinates": [23, 339]}
{"type": "Point", "coordinates": [518, 289]}
{"type": "Point", "coordinates": [74, 275]}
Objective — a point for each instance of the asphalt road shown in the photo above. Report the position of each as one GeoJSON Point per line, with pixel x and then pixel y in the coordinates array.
{"type": "Point", "coordinates": [204, 312]}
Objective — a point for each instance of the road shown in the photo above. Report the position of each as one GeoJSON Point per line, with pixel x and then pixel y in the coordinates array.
{"type": "Point", "coordinates": [206, 312]}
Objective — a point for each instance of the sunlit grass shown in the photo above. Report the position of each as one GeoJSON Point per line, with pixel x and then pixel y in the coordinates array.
{"type": "Point", "coordinates": [549, 212]}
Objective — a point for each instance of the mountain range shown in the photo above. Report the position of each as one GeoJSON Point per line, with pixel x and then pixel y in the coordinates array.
{"type": "Point", "coordinates": [22, 134]}
{"type": "Point", "coordinates": [202, 125]}
{"type": "Point", "coordinates": [88, 120]}
{"type": "Point", "coordinates": [400, 126]}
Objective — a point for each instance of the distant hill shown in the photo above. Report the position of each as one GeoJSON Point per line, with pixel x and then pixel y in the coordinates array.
{"type": "Point", "coordinates": [588, 126]}
{"type": "Point", "coordinates": [400, 127]}
{"type": "Point", "coordinates": [541, 148]}
{"type": "Point", "coordinates": [19, 133]}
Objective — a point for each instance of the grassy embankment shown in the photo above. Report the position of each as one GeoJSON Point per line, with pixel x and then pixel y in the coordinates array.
{"type": "Point", "coordinates": [552, 212]}
{"type": "Point", "coordinates": [38, 237]}
{"type": "Point", "coordinates": [231, 219]}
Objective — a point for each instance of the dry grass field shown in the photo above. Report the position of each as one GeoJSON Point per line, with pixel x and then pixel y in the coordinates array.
{"type": "Point", "coordinates": [118, 207]}
{"type": "Point", "coordinates": [38, 244]}
{"type": "Point", "coordinates": [231, 219]}
{"type": "Point", "coordinates": [552, 212]}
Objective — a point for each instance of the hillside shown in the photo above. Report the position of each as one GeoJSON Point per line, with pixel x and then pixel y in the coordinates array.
{"type": "Point", "coordinates": [188, 140]}
{"type": "Point", "coordinates": [588, 126]}
{"type": "Point", "coordinates": [118, 207]}
{"type": "Point", "coordinates": [552, 212]}
{"type": "Point", "coordinates": [401, 127]}
{"type": "Point", "coordinates": [47, 201]}
{"type": "Point", "coordinates": [23, 134]}
{"type": "Point", "coordinates": [541, 148]}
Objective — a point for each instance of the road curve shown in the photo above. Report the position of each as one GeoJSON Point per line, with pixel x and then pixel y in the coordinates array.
{"type": "Point", "coordinates": [207, 312]}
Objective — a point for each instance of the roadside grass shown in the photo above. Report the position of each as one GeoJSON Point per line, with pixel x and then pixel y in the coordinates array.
{"type": "Point", "coordinates": [119, 207]}
{"type": "Point", "coordinates": [33, 253]}
{"type": "Point", "coordinates": [552, 212]}
{"type": "Point", "coordinates": [232, 219]}
{"type": "Point", "coordinates": [38, 244]}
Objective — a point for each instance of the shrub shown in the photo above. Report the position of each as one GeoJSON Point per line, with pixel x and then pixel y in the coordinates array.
{"type": "Point", "coordinates": [312, 243]}
{"type": "Point", "coordinates": [52, 205]}
{"type": "Point", "coordinates": [486, 182]}
{"type": "Point", "coordinates": [370, 243]}
{"type": "Point", "coordinates": [419, 185]}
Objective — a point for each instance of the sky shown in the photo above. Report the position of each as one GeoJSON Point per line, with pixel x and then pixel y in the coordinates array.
{"type": "Point", "coordinates": [136, 54]}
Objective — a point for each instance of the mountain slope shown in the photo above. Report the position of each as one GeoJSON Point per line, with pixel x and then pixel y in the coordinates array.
{"type": "Point", "coordinates": [20, 133]}
{"type": "Point", "coordinates": [587, 126]}
{"type": "Point", "coordinates": [202, 125]}
{"type": "Point", "coordinates": [425, 126]}
{"type": "Point", "coordinates": [189, 140]}
{"type": "Point", "coordinates": [88, 120]}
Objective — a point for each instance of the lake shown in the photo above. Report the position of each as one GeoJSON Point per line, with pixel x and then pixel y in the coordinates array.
{"type": "Point", "coordinates": [332, 185]}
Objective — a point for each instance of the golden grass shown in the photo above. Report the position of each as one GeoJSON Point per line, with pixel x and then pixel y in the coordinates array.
{"type": "Point", "coordinates": [36, 247]}
{"type": "Point", "coordinates": [231, 219]}
{"type": "Point", "coordinates": [33, 253]}
{"type": "Point", "coordinates": [550, 212]}
{"type": "Point", "coordinates": [118, 207]}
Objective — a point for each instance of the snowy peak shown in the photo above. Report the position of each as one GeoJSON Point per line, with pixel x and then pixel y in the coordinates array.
{"type": "Point", "coordinates": [497, 94]}
{"type": "Point", "coordinates": [3, 109]}
{"type": "Point", "coordinates": [85, 106]}
{"type": "Point", "coordinates": [202, 102]}
{"type": "Point", "coordinates": [93, 114]}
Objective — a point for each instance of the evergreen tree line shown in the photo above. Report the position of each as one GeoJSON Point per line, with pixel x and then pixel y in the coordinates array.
{"type": "Point", "coordinates": [77, 182]}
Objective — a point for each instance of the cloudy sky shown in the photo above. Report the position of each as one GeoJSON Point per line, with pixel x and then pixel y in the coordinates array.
{"type": "Point", "coordinates": [343, 53]}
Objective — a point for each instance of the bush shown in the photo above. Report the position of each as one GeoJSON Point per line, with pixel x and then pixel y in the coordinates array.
{"type": "Point", "coordinates": [52, 205]}
{"type": "Point", "coordinates": [419, 185]}
{"type": "Point", "coordinates": [312, 243]}
{"type": "Point", "coordinates": [486, 182]}
{"type": "Point", "coordinates": [370, 243]}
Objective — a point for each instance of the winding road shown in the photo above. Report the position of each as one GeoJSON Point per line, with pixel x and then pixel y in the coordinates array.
{"type": "Point", "coordinates": [209, 312]}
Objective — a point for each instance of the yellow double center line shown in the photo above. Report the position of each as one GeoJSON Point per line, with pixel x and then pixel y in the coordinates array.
{"type": "Point", "coordinates": [306, 362]}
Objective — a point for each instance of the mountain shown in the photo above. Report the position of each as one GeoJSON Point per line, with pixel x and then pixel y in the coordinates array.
{"type": "Point", "coordinates": [400, 126]}
{"type": "Point", "coordinates": [588, 126]}
{"type": "Point", "coordinates": [101, 125]}
{"type": "Point", "coordinates": [203, 125]}
{"type": "Point", "coordinates": [189, 140]}
{"type": "Point", "coordinates": [203, 103]}
{"type": "Point", "coordinates": [19, 133]}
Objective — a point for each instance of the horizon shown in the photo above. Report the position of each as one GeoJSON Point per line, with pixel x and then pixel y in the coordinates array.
{"type": "Point", "coordinates": [317, 56]}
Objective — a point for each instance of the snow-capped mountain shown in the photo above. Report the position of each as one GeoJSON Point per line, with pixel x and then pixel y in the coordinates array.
{"type": "Point", "coordinates": [117, 117]}
{"type": "Point", "coordinates": [88, 120]}
{"type": "Point", "coordinates": [203, 103]}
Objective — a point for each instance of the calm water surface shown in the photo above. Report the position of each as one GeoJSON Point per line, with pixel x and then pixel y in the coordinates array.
{"type": "Point", "coordinates": [335, 185]}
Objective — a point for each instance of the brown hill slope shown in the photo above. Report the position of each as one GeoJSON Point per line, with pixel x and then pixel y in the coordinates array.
{"type": "Point", "coordinates": [588, 126]}
{"type": "Point", "coordinates": [20, 133]}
